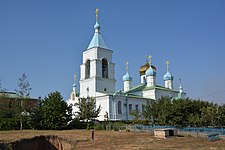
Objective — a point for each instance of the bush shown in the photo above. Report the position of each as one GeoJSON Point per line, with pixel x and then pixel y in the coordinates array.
{"type": "Point", "coordinates": [117, 126]}
{"type": "Point", "coordinates": [90, 126]}
{"type": "Point", "coordinates": [9, 123]}
{"type": "Point", "coordinates": [99, 127]}
{"type": "Point", "coordinates": [76, 124]}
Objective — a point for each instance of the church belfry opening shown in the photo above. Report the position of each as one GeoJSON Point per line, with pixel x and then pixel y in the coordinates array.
{"type": "Point", "coordinates": [87, 69]}
{"type": "Point", "coordinates": [104, 68]}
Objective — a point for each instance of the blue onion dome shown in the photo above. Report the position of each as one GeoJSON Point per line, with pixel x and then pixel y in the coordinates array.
{"type": "Point", "coordinates": [74, 85]}
{"type": "Point", "coordinates": [150, 71]}
{"type": "Point", "coordinates": [127, 77]}
{"type": "Point", "coordinates": [97, 26]}
{"type": "Point", "coordinates": [167, 76]}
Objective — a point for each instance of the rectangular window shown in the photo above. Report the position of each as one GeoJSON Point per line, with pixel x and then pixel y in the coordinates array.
{"type": "Point", "coordinates": [136, 108]}
{"type": "Point", "coordinates": [119, 107]}
{"type": "Point", "coordinates": [143, 108]}
{"type": "Point", "coordinates": [130, 108]}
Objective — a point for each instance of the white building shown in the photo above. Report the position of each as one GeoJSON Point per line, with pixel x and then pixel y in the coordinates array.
{"type": "Point", "coordinates": [97, 79]}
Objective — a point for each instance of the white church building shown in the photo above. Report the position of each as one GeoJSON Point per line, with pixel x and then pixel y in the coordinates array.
{"type": "Point", "coordinates": [97, 80]}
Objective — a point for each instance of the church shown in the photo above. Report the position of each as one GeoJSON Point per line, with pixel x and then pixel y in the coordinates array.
{"type": "Point", "coordinates": [97, 80]}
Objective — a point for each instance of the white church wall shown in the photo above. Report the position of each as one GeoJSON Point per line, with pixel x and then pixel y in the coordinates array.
{"type": "Point", "coordinates": [71, 102]}
{"type": "Point", "coordinates": [98, 68]}
{"type": "Point", "coordinates": [82, 72]}
{"type": "Point", "coordinates": [87, 88]}
{"type": "Point", "coordinates": [135, 102]}
{"type": "Point", "coordinates": [89, 55]}
{"type": "Point", "coordinates": [125, 103]}
{"type": "Point", "coordinates": [111, 68]}
{"type": "Point", "coordinates": [103, 87]}
{"type": "Point", "coordinates": [97, 53]}
{"type": "Point", "coordinates": [93, 69]}
{"type": "Point", "coordinates": [162, 93]}
{"type": "Point", "coordinates": [149, 94]}
{"type": "Point", "coordinates": [104, 102]}
{"type": "Point", "coordinates": [103, 53]}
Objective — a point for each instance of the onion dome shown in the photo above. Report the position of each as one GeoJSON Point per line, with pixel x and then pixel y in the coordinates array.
{"type": "Point", "coordinates": [97, 26]}
{"type": "Point", "coordinates": [145, 67]}
{"type": "Point", "coordinates": [167, 76]}
{"type": "Point", "coordinates": [97, 40]}
{"type": "Point", "coordinates": [150, 71]}
{"type": "Point", "coordinates": [127, 77]}
{"type": "Point", "coordinates": [74, 85]}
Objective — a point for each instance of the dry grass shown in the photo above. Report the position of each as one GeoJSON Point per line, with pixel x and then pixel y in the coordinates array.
{"type": "Point", "coordinates": [118, 140]}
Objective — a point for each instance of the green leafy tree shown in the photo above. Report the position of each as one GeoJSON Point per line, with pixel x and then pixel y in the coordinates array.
{"type": "Point", "coordinates": [181, 109]}
{"type": "Point", "coordinates": [150, 112]}
{"type": "Point", "coordinates": [87, 109]}
{"type": "Point", "coordinates": [210, 115]}
{"type": "Point", "coordinates": [221, 116]}
{"type": "Point", "coordinates": [163, 107]}
{"type": "Point", "coordinates": [36, 117]}
{"type": "Point", "coordinates": [137, 116]}
{"type": "Point", "coordinates": [195, 120]}
{"type": "Point", "coordinates": [9, 110]}
{"type": "Point", "coordinates": [54, 113]}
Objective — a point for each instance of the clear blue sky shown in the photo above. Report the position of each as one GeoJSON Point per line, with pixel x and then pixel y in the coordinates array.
{"type": "Point", "coordinates": [44, 39]}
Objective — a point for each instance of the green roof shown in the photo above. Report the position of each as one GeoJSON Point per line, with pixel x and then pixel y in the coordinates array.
{"type": "Point", "coordinates": [144, 87]}
{"type": "Point", "coordinates": [9, 94]}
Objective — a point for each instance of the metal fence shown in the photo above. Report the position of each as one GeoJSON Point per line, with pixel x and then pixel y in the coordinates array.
{"type": "Point", "coordinates": [192, 130]}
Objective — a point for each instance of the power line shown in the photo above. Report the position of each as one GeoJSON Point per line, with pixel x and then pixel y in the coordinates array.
{"type": "Point", "coordinates": [215, 93]}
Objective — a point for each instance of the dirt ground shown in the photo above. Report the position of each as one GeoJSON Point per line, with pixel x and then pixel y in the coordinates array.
{"type": "Point", "coordinates": [110, 140]}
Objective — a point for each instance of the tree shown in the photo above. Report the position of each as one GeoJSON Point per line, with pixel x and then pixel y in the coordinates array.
{"type": "Point", "coordinates": [163, 107]}
{"type": "Point", "coordinates": [87, 109]}
{"type": "Point", "coordinates": [150, 112]}
{"type": "Point", "coordinates": [137, 116]}
{"type": "Point", "coordinates": [24, 93]}
{"type": "Point", "coordinates": [210, 115]}
{"type": "Point", "coordinates": [24, 87]}
{"type": "Point", "coordinates": [54, 113]}
{"type": "Point", "coordinates": [221, 116]}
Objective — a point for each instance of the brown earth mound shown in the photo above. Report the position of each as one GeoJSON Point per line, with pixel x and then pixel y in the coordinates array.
{"type": "Point", "coordinates": [48, 142]}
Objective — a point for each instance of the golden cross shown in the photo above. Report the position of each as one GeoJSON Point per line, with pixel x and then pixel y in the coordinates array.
{"type": "Point", "coordinates": [150, 58]}
{"type": "Point", "coordinates": [75, 77]}
{"type": "Point", "coordinates": [167, 65]}
{"type": "Point", "coordinates": [127, 66]}
{"type": "Point", "coordinates": [96, 13]}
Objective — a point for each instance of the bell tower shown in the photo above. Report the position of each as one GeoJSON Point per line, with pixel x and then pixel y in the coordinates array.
{"type": "Point", "coordinates": [97, 75]}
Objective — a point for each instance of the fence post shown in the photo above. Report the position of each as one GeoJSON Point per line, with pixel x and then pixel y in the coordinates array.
{"type": "Point", "coordinates": [93, 135]}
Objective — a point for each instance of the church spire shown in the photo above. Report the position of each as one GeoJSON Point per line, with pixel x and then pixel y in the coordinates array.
{"type": "Point", "coordinates": [127, 79]}
{"type": "Point", "coordinates": [167, 66]}
{"type": "Point", "coordinates": [168, 78]}
{"type": "Point", "coordinates": [74, 82]}
{"type": "Point", "coordinates": [97, 40]}
{"type": "Point", "coordinates": [180, 87]}
{"type": "Point", "coordinates": [96, 14]}
{"type": "Point", "coordinates": [150, 59]}
{"type": "Point", "coordinates": [127, 66]}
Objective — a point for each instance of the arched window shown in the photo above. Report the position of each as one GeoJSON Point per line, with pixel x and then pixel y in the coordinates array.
{"type": "Point", "coordinates": [119, 107]}
{"type": "Point", "coordinates": [73, 96]}
{"type": "Point", "coordinates": [104, 68]}
{"type": "Point", "coordinates": [87, 69]}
